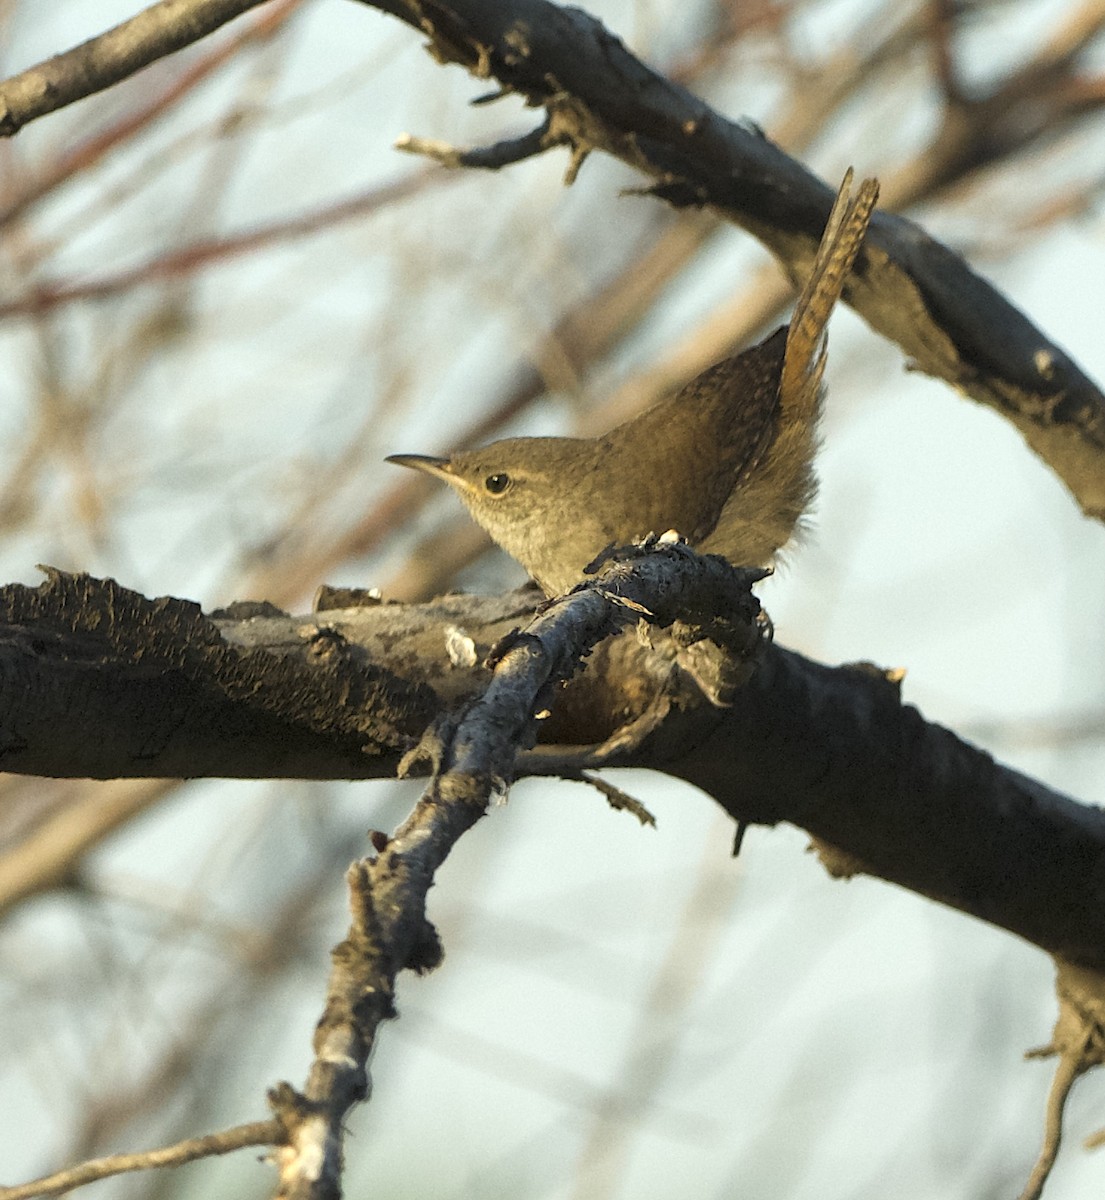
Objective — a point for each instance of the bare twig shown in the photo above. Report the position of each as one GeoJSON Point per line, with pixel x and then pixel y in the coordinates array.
{"type": "Point", "coordinates": [618, 799]}
{"type": "Point", "coordinates": [1079, 1041]}
{"type": "Point", "coordinates": [93, 148]}
{"type": "Point", "coordinates": [389, 933]}
{"type": "Point", "coordinates": [472, 756]}
{"type": "Point", "coordinates": [1069, 1068]}
{"type": "Point", "coordinates": [104, 60]}
{"type": "Point", "coordinates": [256, 1133]}
{"type": "Point", "coordinates": [490, 158]}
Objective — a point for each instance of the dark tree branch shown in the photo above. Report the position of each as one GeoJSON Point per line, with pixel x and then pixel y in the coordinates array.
{"type": "Point", "coordinates": [344, 693]}
{"type": "Point", "coordinates": [187, 703]}
{"type": "Point", "coordinates": [949, 320]}
{"type": "Point", "coordinates": [163, 691]}
{"type": "Point", "coordinates": [835, 752]}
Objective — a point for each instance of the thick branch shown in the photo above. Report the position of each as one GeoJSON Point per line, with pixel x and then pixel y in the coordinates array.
{"type": "Point", "coordinates": [837, 753]}
{"type": "Point", "coordinates": [146, 688]}
{"type": "Point", "coordinates": [342, 694]}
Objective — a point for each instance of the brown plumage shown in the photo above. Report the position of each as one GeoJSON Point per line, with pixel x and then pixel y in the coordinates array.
{"type": "Point", "coordinates": [727, 461]}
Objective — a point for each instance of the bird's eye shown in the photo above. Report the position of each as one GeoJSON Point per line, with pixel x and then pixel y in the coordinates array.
{"type": "Point", "coordinates": [497, 484]}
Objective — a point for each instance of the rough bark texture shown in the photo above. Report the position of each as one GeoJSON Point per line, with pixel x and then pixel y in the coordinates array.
{"type": "Point", "coordinates": [145, 688]}
{"type": "Point", "coordinates": [100, 682]}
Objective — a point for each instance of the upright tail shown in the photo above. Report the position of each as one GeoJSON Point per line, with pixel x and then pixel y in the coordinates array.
{"type": "Point", "coordinates": [804, 358]}
{"type": "Point", "coordinates": [776, 485]}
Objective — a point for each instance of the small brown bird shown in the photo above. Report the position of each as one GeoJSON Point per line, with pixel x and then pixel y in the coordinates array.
{"type": "Point", "coordinates": [727, 461]}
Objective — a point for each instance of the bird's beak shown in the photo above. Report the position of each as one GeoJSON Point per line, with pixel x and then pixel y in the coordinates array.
{"type": "Point", "coordinates": [441, 467]}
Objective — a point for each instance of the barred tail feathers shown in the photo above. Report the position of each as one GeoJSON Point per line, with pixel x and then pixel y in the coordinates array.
{"type": "Point", "coordinates": [804, 358]}
{"type": "Point", "coordinates": [769, 503]}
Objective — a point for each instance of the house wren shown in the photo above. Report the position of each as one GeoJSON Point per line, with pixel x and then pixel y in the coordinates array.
{"type": "Point", "coordinates": [727, 461]}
